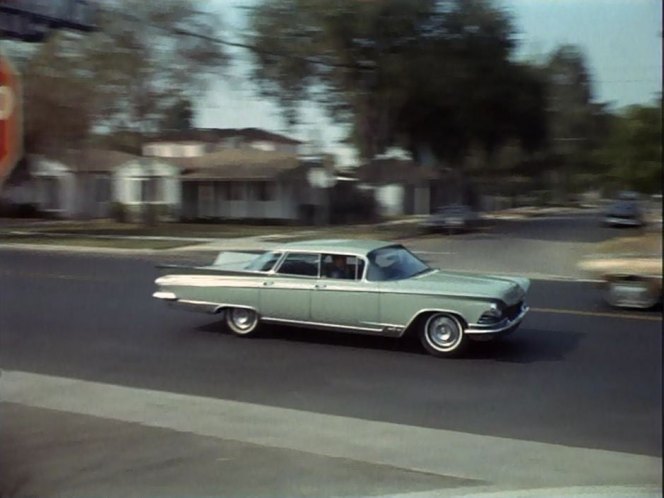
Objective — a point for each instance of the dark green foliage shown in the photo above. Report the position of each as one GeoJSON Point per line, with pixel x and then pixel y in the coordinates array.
{"type": "Point", "coordinates": [434, 76]}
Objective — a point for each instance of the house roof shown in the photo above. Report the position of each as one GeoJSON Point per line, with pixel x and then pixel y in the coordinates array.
{"type": "Point", "coordinates": [236, 164]}
{"type": "Point", "coordinates": [214, 135]}
{"type": "Point", "coordinates": [91, 160]}
{"type": "Point", "coordinates": [384, 171]}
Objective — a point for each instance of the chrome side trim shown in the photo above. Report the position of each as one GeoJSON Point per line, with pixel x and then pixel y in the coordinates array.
{"type": "Point", "coordinates": [475, 328]}
{"type": "Point", "coordinates": [327, 326]}
{"type": "Point", "coordinates": [324, 285]}
{"type": "Point", "coordinates": [249, 281]}
{"type": "Point", "coordinates": [205, 306]}
{"type": "Point", "coordinates": [199, 306]}
{"type": "Point", "coordinates": [165, 296]}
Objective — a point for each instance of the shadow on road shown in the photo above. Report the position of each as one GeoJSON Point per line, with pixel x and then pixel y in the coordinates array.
{"type": "Point", "coordinates": [526, 346]}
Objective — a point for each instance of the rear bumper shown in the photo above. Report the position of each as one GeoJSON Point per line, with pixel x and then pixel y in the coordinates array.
{"type": "Point", "coordinates": [503, 327]}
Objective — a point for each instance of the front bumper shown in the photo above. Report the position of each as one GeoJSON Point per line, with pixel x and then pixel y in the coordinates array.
{"type": "Point", "coordinates": [502, 327]}
{"type": "Point", "coordinates": [629, 222]}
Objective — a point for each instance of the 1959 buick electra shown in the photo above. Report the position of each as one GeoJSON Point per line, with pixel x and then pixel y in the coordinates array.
{"type": "Point", "coordinates": [360, 286]}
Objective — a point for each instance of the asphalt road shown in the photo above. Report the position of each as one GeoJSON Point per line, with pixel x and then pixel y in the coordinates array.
{"type": "Point", "coordinates": [580, 227]}
{"type": "Point", "coordinates": [106, 392]}
{"type": "Point", "coordinates": [576, 373]}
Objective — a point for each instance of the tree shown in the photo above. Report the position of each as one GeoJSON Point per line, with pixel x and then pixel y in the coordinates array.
{"type": "Point", "coordinates": [632, 152]}
{"type": "Point", "coordinates": [577, 124]}
{"type": "Point", "coordinates": [433, 76]}
{"type": "Point", "coordinates": [129, 76]}
{"type": "Point", "coordinates": [179, 116]}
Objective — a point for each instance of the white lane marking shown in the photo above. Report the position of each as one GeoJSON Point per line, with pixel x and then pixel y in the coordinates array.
{"type": "Point", "coordinates": [499, 460]}
{"type": "Point", "coordinates": [626, 491]}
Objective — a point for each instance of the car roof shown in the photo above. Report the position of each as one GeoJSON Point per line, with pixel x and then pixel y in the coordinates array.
{"type": "Point", "coordinates": [353, 246]}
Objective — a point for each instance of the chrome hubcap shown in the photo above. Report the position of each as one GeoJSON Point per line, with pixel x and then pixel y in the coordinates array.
{"type": "Point", "coordinates": [242, 318]}
{"type": "Point", "coordinates": [443, 332]}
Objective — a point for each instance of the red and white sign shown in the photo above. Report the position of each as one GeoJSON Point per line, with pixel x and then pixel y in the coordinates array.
{"type": "Point", "coordinates": [11, 128]}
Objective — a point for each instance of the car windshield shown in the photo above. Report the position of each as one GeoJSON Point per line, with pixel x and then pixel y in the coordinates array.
{"type": "Point", "coordinates": [394, 263]}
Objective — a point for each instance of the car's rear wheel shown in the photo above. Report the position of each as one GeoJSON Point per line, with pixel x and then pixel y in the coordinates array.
{"type": "Point", "coordinates": [442, 335]}
{"type": "Point", "coordinates": [242, 321]}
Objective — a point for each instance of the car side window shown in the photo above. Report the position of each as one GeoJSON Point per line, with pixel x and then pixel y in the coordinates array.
{"type": "Point", "coordinates": [265, 262]}
{"type": "Point", "coordinates": [341, 266]}
{"type": "Point", "coordinates": [304, 264]}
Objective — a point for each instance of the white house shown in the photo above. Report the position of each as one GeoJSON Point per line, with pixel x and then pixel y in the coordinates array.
{"type": "Point", "coordinates": [401, 186]}
{"type": "Point", "coordinates": [201, 141]}
{"type": "Point", "coordinates": [249, 184]}
{"type": "Point", "coordinates": [75, 184]}
{"type": "Point", "coordinates": [142, 182]}
{"type": "Point", "coordinates": [96, 183]}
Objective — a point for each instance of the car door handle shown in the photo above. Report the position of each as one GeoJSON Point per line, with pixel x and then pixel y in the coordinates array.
{"type": "Point", "coordinates": [320, 286]}
{"type": "Point", "coordinates": [267, 284]}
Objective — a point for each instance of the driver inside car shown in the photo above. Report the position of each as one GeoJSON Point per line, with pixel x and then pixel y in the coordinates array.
{"type": "Point", "coordinates": [339, 268]}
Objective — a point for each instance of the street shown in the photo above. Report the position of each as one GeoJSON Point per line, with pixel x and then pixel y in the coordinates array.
{"type": "Point", "coordinates": [577, 375]}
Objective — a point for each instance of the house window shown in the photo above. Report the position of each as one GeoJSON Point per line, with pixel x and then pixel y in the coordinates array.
{"type": "Point", "coordinates": [265, 191]}
{"type": "Point", "coordinates": [144, 190]}
{"type": "Point", "coordinates": [236, 191]}
{"type": "Point", "coordinates": [51, 194]}
{"type": "Point", "coordinates": [224, 191]}
{"type": "Point", "coordinates": [102, 189]}
{"type": "Point", "coordinates": [206, 200]}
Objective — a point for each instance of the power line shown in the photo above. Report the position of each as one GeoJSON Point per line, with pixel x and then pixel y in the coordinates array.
{"type": "Point", "coordinates": [246, 46]}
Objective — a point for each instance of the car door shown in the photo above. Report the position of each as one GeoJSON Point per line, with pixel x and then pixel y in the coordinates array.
{"type": "Point", "coordinates": [347, 299]}
{"type": "Point", "coordinates": [286, 294]}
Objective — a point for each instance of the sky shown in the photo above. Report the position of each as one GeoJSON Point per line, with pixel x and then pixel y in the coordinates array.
{"type": "Point", "coordinates": [621, 39]}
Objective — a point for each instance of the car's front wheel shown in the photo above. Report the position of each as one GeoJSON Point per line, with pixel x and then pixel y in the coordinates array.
{"type": "Point", "coordinates": [442, 335]}
{"type": "Point", "coordinates": [242, 321]}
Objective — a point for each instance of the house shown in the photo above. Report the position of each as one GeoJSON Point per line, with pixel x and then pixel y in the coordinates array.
{"type": "Point", "coordinates": [74, 183]}
{"type": "Point", "coordinates": [248, 183]}
{"type": "Point", "coordinates": [146, 186]}
{"type": "Point", "coordinates": [195, 174]}
{"type": "Point", "coordinates": [93, 183]}
{"type": "Point", "coordinates": [402, 186]}
{"type": "Point", "coordinates": [201, 141]}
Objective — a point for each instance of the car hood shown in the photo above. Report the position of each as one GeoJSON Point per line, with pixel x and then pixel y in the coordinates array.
{"type": "Point", "coordinates": [510, 290]}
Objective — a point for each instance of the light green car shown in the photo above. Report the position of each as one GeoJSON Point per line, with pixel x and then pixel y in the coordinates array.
{"type": "Point", "coordinates": [360, 286]}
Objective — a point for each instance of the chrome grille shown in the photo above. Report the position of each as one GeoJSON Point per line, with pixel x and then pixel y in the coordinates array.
{"type": "Point", "coordinates": [512, 312]}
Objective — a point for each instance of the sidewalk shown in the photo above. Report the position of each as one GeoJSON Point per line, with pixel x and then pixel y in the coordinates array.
{"type": "Point", "coordinates": [122, 441]}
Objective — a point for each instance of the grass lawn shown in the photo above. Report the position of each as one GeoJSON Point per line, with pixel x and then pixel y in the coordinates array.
{"type": "Point", "coordinates": [276, 233]}
{"type": "Point", "coordinates": [196, 230]}
{"type": "Point", "coordinates": [648, 243]}
{"type": "Point", "coordinates": [82, 241]}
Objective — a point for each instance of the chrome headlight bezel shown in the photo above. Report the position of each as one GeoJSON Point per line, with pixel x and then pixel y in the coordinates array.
{"type": "Point", "coordinates": [493, 315]}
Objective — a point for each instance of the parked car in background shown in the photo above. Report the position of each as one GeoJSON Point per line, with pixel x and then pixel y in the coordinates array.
{"type": "Point", "coordinates": [628, 281]}
{"type": "Point", "coordinates": [625, 211]}
{"type": "Point", "coordinates": [364, 287]}
{"type": "Point", "coordinates": [452, 218]}
{"type": "Point", "coordinates": [629, 269]}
